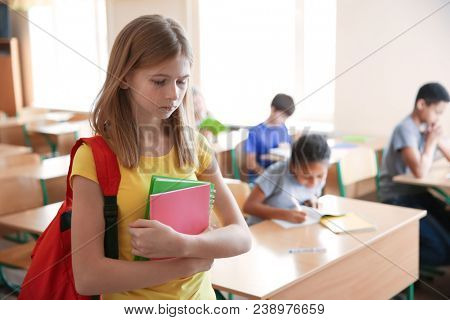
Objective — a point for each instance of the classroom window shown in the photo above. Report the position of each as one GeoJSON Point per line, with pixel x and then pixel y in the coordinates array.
{"type": "Point", "coordinates": [251, 50]}
{"type": "Point", "coordinates": [62, 78]}
{"type": "Point", "coordinates": [319, 45]}
{"type": "Point", "coordinates": [247, 50]}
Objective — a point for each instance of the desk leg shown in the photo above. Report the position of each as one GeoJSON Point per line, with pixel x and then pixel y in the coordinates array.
{"type": "Point", "coordinates": [44, 192]}
{"type": "Point", "coordinates": [53, 146]}
{"type": "Point", "coordinates": [342, 190]}
{"type": "Point", "coordinates": [410, 292]}
{"type": "Point", "coordinates": [26, 136]}
{"type": "Point", "coordinates": [219, 295]}
{"type": "Point", "coordinates": [234, 165]}
{"type": "Point", "coordinates": [443, 193]}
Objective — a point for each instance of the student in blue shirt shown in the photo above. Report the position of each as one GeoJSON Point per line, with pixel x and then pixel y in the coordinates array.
{"type": "Point", "coordinates": [270, 134]}
{"type": "Point", "coordinates": [412, 149]}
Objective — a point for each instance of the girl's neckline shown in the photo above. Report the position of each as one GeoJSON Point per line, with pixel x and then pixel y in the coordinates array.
{"type": "Point", "coordinates": [158, 157]}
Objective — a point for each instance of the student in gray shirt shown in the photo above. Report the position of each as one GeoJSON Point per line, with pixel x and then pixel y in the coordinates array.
{"type": "Point", "coordinates": [286, 184]}
{"type": "Point", "coordinates": [406, 135]}
{"type": "Point", "coordinates": [411, 150]}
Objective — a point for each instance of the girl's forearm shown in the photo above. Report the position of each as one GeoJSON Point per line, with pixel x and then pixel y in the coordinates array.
{"type": "Point", "coordinates": [224, 242]}
{"type": "Point", "coordinates": [107, 275]}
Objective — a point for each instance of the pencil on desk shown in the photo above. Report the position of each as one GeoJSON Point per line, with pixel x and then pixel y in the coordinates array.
{"type": "Point", "coordinates": [307, 250]}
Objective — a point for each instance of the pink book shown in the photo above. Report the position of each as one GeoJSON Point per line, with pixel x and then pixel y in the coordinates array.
{"type": "Point", "coordinates": [185, 210]}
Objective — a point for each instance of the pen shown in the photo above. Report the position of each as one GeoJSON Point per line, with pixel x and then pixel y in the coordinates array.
{"type": "Point", "coordinates": [296, 203]}
{"type": "Point", "coordinates": [306, 250]}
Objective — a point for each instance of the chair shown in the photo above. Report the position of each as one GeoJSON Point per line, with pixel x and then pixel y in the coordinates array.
{"type": "Point", "coordinates": [359, 164]}
{"type": "Point", "coordinates": [239, 162]}
{"type": "Point", "coordinates": [240, 190]}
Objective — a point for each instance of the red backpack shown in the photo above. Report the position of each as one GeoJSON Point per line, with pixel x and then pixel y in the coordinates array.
{"type": "Point", "coordinates": [50, 275]}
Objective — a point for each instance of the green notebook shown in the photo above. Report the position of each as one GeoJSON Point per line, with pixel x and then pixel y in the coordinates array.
{"type": "Point", "coordinates": [162, 184]}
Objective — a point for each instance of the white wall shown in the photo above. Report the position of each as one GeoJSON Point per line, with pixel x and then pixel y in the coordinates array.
{"type": "Point", "coordinates": [120, 12]}
{"type": "Point", "coordinates": [379, 92]}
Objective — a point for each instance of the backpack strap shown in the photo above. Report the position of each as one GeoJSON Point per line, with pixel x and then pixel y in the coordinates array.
{"type": "Point", "coordinates": [108, 175]}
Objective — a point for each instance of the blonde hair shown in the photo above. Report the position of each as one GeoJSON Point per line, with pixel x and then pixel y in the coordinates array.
{"type": "Point", "coordinates": [144, 42]}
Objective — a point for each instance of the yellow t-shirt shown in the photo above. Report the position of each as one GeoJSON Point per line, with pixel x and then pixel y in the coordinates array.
{"type": "Point", "coordinates": [132, 200]}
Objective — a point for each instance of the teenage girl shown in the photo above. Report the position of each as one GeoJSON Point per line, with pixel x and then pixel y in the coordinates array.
{"type": "Point", "coordinates": [144, 114]}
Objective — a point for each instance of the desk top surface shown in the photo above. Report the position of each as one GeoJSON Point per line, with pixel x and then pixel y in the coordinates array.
{"type": "Point", "coordinates": [7, 150]}
{"type": "Point", "coordinates": [438, 176]}
{"type": "Point", "coordinates": [268, 267]}
{"type": "Point", "coordinates": [47, 169]}
{"type": "Point", "coordinates": [56, 129]}
{"type": "Point", "coordinates": [33, 220]}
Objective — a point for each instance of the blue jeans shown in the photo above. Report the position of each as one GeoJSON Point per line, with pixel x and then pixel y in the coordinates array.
{"type": "Point", "coordinates": [434, 228]}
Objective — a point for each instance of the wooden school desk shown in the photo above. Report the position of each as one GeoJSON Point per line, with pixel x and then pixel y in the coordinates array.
{"type": "Point", "coordinates": [51, 172]}
{"type": "Point", "coordinates": [14, 130]}
{"type": "Point", "coordinates": [32, 220]}
{"type": "Point", "coordinates": [59, 136]}
{"type": "Point", "coordinates": [7, 150]}
{"type": "Point", "coordinates": [438, 178]}
{"type": "Point", "coordinates": [362, 265]}
{"type": "Point", "coordinates": [47, 169]}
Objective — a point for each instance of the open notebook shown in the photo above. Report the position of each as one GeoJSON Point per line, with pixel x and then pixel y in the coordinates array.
{"type": "Point", "coordinates": [312, 216]}
{"type": "Point", "coordinates": [335, 221]}
{"type": "Point", "coordinates": [349, 222]}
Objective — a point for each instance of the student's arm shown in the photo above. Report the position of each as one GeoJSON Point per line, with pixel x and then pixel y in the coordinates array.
{"type": "Point", "coordinates": [251, 147]}
{"type": "Point", "coordinates": [153, 239]}
{"type": "Point", "coordinates": [255, 206]}
{"type": "Point", "coordinates": [96, 274]}
{"type": "Point", "coordinates": [420, 164]}
{"type": "Point", "coordinates": [445, 148]}
{"type": "Point", "coordinates": [252, 164]}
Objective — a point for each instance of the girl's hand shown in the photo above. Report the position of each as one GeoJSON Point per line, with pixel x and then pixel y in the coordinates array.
{"type": "Point", "coordinates": [152, 239]}
{"type": "Point", "coordinates": [294, 216]}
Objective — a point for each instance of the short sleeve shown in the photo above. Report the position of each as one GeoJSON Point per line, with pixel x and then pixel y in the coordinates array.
{"type": "Point", "coordinates": [287, 136]}
{"type": "Point", "coordinates": [270, 179]}
{"type": "Point", "coordinates": [250, 144]}
{"type": "Point", "coordinates": [404, 137]}
{"type": "Point", "coordinates": [84, 164]}
{"type": "Point", "coordinates": [204, 153]}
